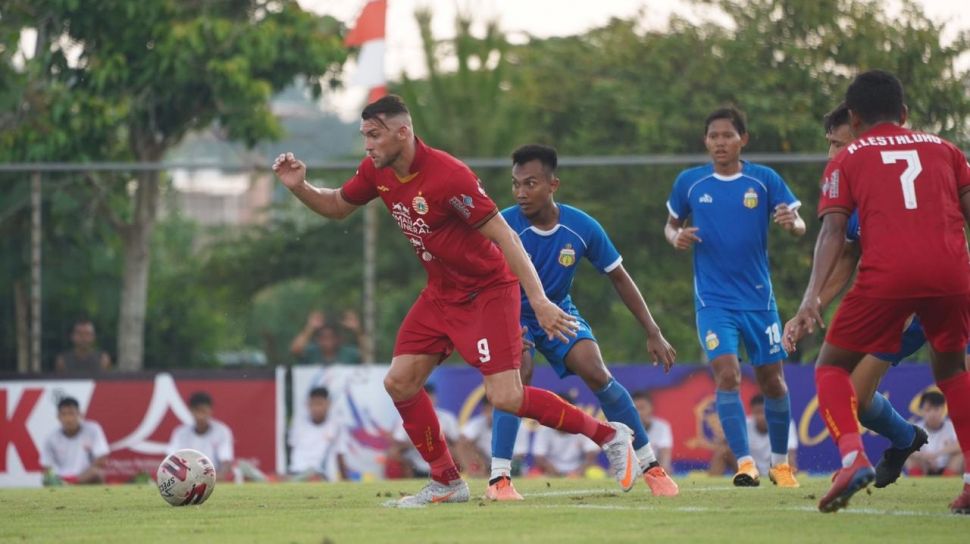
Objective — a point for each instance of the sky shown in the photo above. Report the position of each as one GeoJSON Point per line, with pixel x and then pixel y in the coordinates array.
{"type": "Point", "coordinates": [541, 18]}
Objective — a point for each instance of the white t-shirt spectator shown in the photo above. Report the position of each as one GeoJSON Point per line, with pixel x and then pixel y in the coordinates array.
{"type": "Point", "coordinates": [566, 452]}
{"type": "Point", "coordinates": [449, 428]}
{"type": "Point", "coordinates": [939, 439]}
{"type": "Point", "coordinates": [479, 431]}
{"type": "Point", "coordinates": [71, 455]}
{"type": "Point", "coordinates": [216, 443]}
{"type": "Point", "coordinates": [316, 447]}
{"type": "Point", "coordinates": [760, 445]}
{"type": "Point", "coordinates": [660, 433]}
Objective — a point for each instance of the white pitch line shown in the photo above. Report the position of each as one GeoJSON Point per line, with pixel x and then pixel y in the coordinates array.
{"type": "Point", "coordinates": [696, 509]}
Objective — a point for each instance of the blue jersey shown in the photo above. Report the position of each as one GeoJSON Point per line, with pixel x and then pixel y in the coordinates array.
{"type": "Point", "coordinates": [732, 215]}
{"type": "Point", "coordinates": [556, 252]}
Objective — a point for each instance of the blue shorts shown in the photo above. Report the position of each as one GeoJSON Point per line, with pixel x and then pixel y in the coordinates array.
{"type": "Point", "coordinates": [720, 331]}
{"type": "Point", "coordinates": [555, 350]}
{"type": "Point", "coordinates": [913, 339]}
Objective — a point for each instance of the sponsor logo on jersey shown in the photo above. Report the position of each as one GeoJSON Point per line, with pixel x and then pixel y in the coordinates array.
{"type": "Point", "coordinates": [706, 199]}
{"type": "Point", "coordinates": [750, 198]}
{"type": "Point", "coordinates": [402, 215]}
{"type": "Point", "coordinates": [383, 188]}
{"type": "Point", "coordinates": [567, 256]}
{"type": "Point", "coordinates": [831, 185]}
{"type": "Point", "coordinates": [711, 340]}
{"type": "Point", "coordinates": [467, 201]}
{"type": "Point", "coordinates": [480, 188]}
{"type": "Point", "coordinates": [460, 207]}
{"type": "Point", "coordinates": [420, 205]}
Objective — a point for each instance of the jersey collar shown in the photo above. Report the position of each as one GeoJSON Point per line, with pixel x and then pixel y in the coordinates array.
{"type": "Point", "coordinates": [719, 177]}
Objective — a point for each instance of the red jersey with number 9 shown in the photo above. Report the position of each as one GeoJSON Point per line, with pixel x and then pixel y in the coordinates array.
{"type": "Point", "coordinates": [906, 186]}
{"type": "Point", "coordinates": [439, 208]}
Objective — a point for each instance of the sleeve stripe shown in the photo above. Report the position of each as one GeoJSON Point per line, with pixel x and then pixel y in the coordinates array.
{"type": "Point", "coordinates": [613, 266]}
{"type": "Point", "coordinates": [795, 205]}
{"type": "Point", "coordinates": [834, 209]}
{"type": "Point", "coordinates": [672, 212]}
{"type": "Point", "coordinates": [485, 219]}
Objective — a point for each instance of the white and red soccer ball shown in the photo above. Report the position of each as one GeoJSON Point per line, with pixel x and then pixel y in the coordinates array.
{"type": "Point", "coordinates": [186, 477]}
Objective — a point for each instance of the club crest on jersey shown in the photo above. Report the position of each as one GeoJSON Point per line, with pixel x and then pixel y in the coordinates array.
{"type": "Point", "coordinates": [420, 205]}
{"type": "Point", "coordinates": [711, 340]}
{"type": "Point", "coordinates": [567, 256]}
{"type": "Point", "coordinates": [750, 198]}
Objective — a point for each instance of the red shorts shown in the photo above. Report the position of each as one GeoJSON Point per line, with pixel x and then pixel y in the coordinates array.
{"type": "Point", "coordinates": [484, 330]}
{"type": "Point", "coordinates": [875, 325]}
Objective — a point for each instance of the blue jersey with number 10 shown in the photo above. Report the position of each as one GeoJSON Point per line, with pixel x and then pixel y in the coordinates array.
{"type": "Point", "coordinates": [556, 252]}
{"type": "Point", "coordinates": [732, 215]}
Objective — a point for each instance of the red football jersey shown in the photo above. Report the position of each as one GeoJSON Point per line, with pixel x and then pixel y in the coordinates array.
{"type": "Point", "coordinates": [906, 186]}
{"type": "Point", "coordinates": [439, 208]}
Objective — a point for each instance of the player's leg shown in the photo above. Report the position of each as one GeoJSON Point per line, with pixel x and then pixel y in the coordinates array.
{"type": "Point", "coordinates": [585, 360]}
{"type": "Point", "coordinates": [946, 321]}
{"type": "Point", "coordinates": [505, 430]}
{"type": "Point", "coordinates": [762, 338]}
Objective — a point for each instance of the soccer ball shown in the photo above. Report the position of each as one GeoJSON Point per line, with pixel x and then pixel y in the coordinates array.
{"type": "Point", "coordinates": [186, 477]}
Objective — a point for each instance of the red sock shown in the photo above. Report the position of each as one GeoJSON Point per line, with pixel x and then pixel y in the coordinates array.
{"type": "Point", "coordinates": [422, 427]}
{"type": "Point", "coordinates": [550, 410]}
{"type": "Point", "coordinates": [838, 406]}
{"type": "Point", "coordinates": [957, 393]}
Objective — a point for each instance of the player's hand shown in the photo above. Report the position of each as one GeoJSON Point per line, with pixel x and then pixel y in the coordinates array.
{"type": "Point", "coordinates": [785, 216]}
{"type": "Point", "coordinates": [315, 320]}
{"type": "Point", "coordinates": [553, 320]}
{"type": "Point", "coordinates": [686, 237]}
{"type": "Point", "coordinates": [809, 315]}
{"type": "Point", "coordinates": [289, 170]}
{"type": "Point", "coordinates": [661, 351]}
{"type": "Point", "coordinates": [526, 343]}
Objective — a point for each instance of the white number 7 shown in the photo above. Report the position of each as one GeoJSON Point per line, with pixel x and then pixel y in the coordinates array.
{"type": "Point", "coordinates": [908, 177]}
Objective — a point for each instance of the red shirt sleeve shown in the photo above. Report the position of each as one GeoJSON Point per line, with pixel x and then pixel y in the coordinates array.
{"type": "Point", "coordinates": [466, 198]}
{"type": "Point", "coordinates": [361, 188]}
{"type": "Point", "coordinates": [836, 190]}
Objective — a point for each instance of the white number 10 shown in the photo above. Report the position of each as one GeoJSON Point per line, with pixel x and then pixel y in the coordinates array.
{"type": "Point", "coordinates": [908, 177]}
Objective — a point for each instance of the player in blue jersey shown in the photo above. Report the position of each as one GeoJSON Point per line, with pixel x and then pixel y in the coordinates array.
{"type": "Point", "coordinates": [556, 237]}
{"type": "Point", "coordinates": [732, 202]}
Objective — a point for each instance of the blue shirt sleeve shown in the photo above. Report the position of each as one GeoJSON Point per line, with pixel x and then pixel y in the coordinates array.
{"type": "Point", "coordinates": [600, 249]}
{"type": "Point", "coordinates": [679, 204]}
{"type": "Point", "coordinates": [778, 191]}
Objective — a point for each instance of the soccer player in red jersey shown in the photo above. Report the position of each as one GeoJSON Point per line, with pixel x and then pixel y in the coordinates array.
{"type": "Point", "coordinates": [474, 263]}
{"type": "Point", "coordinates": [912, 192]}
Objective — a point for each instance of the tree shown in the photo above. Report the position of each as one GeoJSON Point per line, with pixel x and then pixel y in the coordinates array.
{"type": "Point", "coordinates": [144, 75]}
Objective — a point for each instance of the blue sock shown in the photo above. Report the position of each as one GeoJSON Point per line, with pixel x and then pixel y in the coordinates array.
{"type": "Point", "coordinates": [731, 413]}
{"type": "Point", "coordinates": [882, 418]}
{"type": "Point", "coordinates": [505, 428]}
{"type": "Point", "coordinates": [618, 406]}
{"type": "Point", "coordinates": [778, 415]}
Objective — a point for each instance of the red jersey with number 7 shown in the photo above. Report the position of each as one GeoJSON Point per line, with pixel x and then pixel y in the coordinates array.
{"type": "Point", "coordinates": [906, 186]}
{"type": "Point", "coordinates": [439, 208]}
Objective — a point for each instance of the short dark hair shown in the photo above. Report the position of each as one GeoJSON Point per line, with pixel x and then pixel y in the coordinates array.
{"type": "Point", "coordinates": [757, 400]}
{"type": "Point", "coordinates": [546, 155]}
{"type": "Point", "coordinates": [730, 113]}
{"type": "Point", "coordinates": [836, 118]}
{"type": "Point", "coordinates": [391, 104]}
{"type": "Point", "coordinates": [320, 391]}
{"type": "Point", "coordinates": [876, 96]}
{"type": "Point", "coordinates": [933, 398]}
{"type": "Point", "coordinates": [67, 402]}
{"type": "Point", "coordinates": [430, 388]}
{"type": "Point", "coordinates": [643, 394]}
{"type": "Point", "coordinates": [200, 398]}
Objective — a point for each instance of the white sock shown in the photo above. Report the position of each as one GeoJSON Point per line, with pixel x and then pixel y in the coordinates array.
{"type": "Point", "coordinates": [745, 458]}
{"type": "Point", "coordinates": [646, 456]}
{"type": "Point", "coordinates": [501, 467]}
{"type": "Point", "coordinates": [779, 459]}
{"type": "Point", "coordinates": [849, 459]}
{"type": "Point", "coordinates": [966, 478]}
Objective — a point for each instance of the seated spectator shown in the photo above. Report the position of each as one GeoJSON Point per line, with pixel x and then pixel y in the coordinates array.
{"type": "Point", "coordinates": [317, 442]}
{"type": "Point", "coordinates": [941, 455]}
{"type": "Point", "coordinates": [207, 435]}
{"type": "Point", "coordinates": [320, 343]}
{"type": "Point", "coordinates": [658, 430]}
{"type": "Point", "coordinates": [84, 356]}
{"type": "Point", "coordinates": [475, 444]}
{"type": "Point", "coordinates": [77, 452]}
{"type": "Point", "coordinates": [403, 460]}
{"type": "Point", "coordinates": [758, 441]}
{"type": "Point", "coordinates": [562, 454]}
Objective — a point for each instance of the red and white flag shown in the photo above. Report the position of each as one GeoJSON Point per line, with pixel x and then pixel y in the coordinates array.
{"type": "Point", "coordinates": [368, 34]}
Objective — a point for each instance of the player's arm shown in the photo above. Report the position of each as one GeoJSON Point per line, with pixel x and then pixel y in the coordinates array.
{"type": "Point", "coordinates": [553, 319]}
{"type": "Point", "coordinates": [679, 235]}
{"type": "Point", "coordinates": [660, 350]}
{"type": "Point", "coordinates": [329, 203]}
{"type": "Point", "coordinates": [828, 247]}
{"type": "Point", "coordinates": [965, 203]}
{"type": "Point", "coordinates": [842, 273]}
{"type": "Point", "coordinates": [788, 218]}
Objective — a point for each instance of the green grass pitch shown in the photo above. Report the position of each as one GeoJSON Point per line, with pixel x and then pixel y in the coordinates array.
{"type": "Point", "coordinates": [555, 510]}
